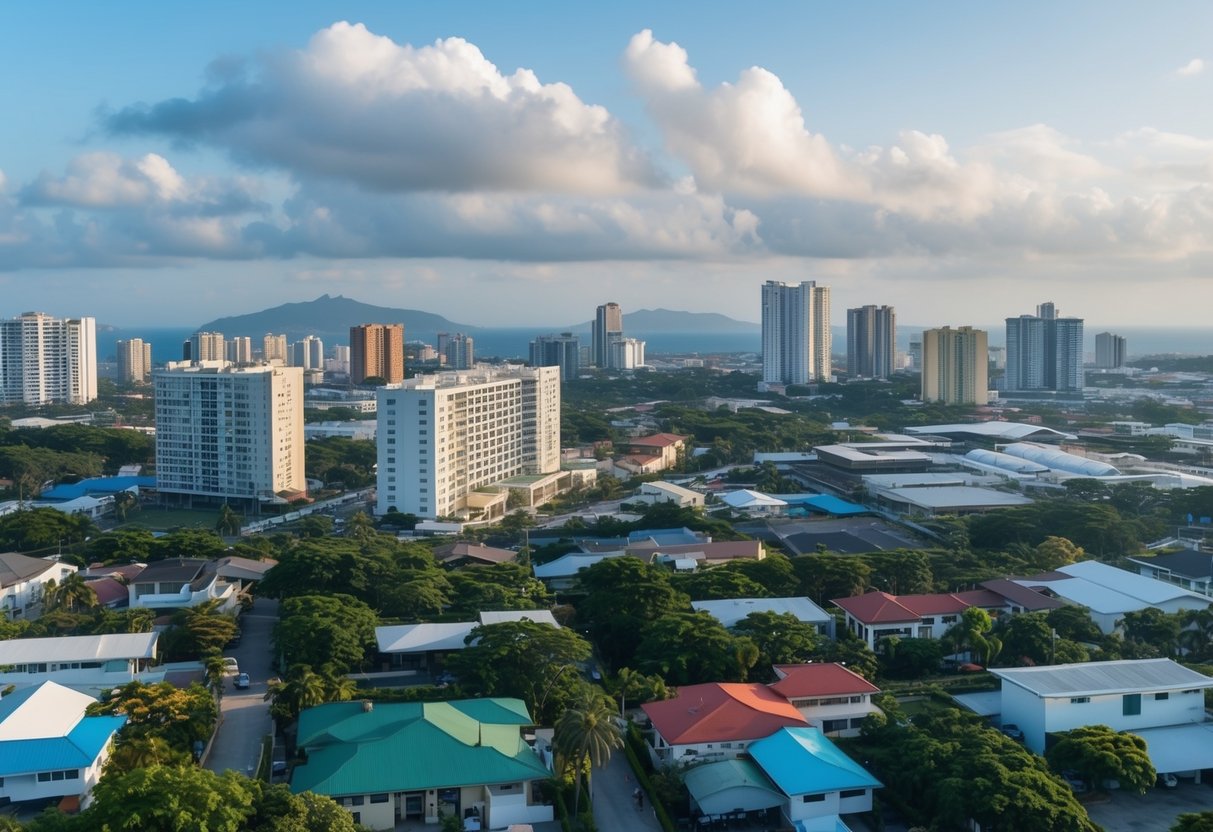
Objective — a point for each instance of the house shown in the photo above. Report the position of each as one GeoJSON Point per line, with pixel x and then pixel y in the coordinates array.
{"type": "Point", "coordinates": [423, 646]}
{"type": "Point", "coordinates": [876, 615]}
{"type": "Point", "coordinates": [561, 573]}
{"type": "Point", "coordinates": [716, 721]}
{"type": "Point", "coordinates": [667, 492]}
{"type": "Point", "coordinates": [1157, 699]}
{"type": "Point", "coordinates": [49, 748]}
{"type": "Point", "coordinates": [243, 573]}
{"type": "Point", "coordinates": [707, 554]}
{"type": "Point", "coordinates": [90, 663]}
{"type": "Point", "coordinates": [754, 502]}
{"type": "Point", "coordinates": [23, 581]}
{"type": "Point", "coordinates": [180, 582]}
{"type": "Point", "coordinates": [830, 697]}
{"type": "Point", "coordinates": [664, 448]}
{"type": "Point", "coordinates": [1187, 569]}
{"type": "Point", "coordinates": [461, 554]}
{"type": "Point", "coordinates": [730, 611]}
{"type": "Point", "coordinates": [388, 762]}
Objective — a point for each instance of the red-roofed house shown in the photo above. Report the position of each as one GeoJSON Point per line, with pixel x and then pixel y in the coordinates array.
{"type": "Point", "coordinates": [876, 615]}
{"type": "Point", "coordinates": [663, 446]}
{"type": "Point", "coordinates": [828, 696]}
{"type": "Point", "coordinates": [717, 721]}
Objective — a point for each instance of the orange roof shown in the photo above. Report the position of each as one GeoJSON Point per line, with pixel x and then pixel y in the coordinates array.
{"type": "Point", "coordinates": [721, 712]}
{"type": "Point", "coordinates": [658, 440]}
{"type": "Point", "coordinates": [800, 681]}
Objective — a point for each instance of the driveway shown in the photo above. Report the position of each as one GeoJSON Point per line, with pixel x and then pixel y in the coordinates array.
{"type": "Point", "coordinates": [244, 717]}
{"type": "Point", "coordinates": [614, 808]}
{"type": "Point", "coordinates": [1155, 810]}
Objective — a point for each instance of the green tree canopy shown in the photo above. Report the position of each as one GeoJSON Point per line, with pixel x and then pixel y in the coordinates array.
{"type": "Point", "coordinates": [622, 596]}
{"type": "Point", "coordinates": [781, 638]}
{"type": "Point", "coordinates": [319, 629]}
{"type": "Point", "coordinates": [687, 648]}
{"type": "Point", "coordinates": [176, 716]}
{"type": "Point", "coordinates": [1101, 754]}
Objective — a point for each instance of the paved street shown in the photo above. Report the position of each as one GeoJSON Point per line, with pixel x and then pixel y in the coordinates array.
{"type": "Point", "coordinates": [614, 808]}
{"type": "Point", "coordinates": [245, 715]}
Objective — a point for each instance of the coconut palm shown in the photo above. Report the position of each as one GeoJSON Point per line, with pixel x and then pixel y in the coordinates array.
{"type": "Point", "coordinates": [337, 686]}
{"type": "Point", "coordinates": [72, 593]}
{"type": "Point", "coordinates": [229, 521]}
{"type": "Point", "coordinates": [587, 732]}
{"type": "Point", "coordinates": [302, 688]}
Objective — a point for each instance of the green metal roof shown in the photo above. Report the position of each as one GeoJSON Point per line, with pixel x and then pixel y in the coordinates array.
{"type": "Point", "coordinates": [407, 746]}
{"type": "Point", "coordinates": [728, 785]}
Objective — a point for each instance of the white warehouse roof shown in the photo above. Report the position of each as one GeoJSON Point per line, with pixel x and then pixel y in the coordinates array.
{"type": "Point", "coordinates": [79, 648]}
{"type": "Point", "coordinates": [1006, 462]}
{"type": "Point", "coordinates": [729, 611]}
{"type": "Point", "coordinates": [993, 430]}
{"type": "Point", "coordinates": [1094, 678]}
{"type": "Point", "coordinates": [1060, 460]}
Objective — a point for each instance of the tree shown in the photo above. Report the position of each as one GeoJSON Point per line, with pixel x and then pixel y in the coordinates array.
{"type": "Point", "coordinates": [824, 577]}
{"type": "Point", "coordinates": [43, 528]}
{"type": "Point", "coordinates": [687, 648]}
{"type": "Point", "coordinates": [1153, 628]}
{"type": "Point", "coordinates": [1194, 822]}
{"type": "Point", "coordinates": [586, 733]}
{"type": "Point", "coordinates": [717, 583]}
{"type": "Point", "coordinates": [623, 596]}
{"type": "Point", "coordinates": [121, 545]}
{"type": "Point", "coordinates": [161, 711]}
{"type": "Point", "coordinates": [302, 688]}
{"type": "Point", "coordinates": [1101, 754]}
{"type": "Point", "coordinates": [229, 521]}
{"type": "Point", "coordinates": [910, 658]}
{"type": "Point", "coordinates": [973, 633]}
{"type": "Point", "coordinates": [73, 592]}
{"type": "Point", "coordinates": [781, 638]}
{"type": "Point", "coordinates": [317, 629]}
{"type": "Point", "coordinates": [638, 688]}
{"type": "Point", "coordinates": [143, 752]}
{"type": "Point", "coordinates": [1053, 552]}
{"type": "Point", "coordinates": [847, 649]}
{"type": "Point", "coordinates": [202, 630]}
{"type": "Point", "coordinates": [1196, 637]}
{"type": "Point", "coordinates": [1027, 639]}
{"type": "Point", "coordinates": [1074, 623]}
{"type": "Point", "coordinates": [171, 799]}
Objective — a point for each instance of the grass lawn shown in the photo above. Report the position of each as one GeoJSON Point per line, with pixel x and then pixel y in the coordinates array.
{"type": "Point", "coordinates": [163, 519]}
{"type": "Point", "coordinates": [926, 705]}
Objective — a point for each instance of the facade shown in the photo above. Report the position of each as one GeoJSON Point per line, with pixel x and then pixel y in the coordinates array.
{"type": "Point", "coordinates": [377, 351]}
{"type": "Point", "coordinates": [608, 328]}
{"type": "Point", "coordinates": [308, 353]}
{"type": "Point", "coordinates": [134, 360]}
{"type": "Point", "coordinates": [23, 582]}
{"type": "Point", "coordinates": [832, 698]}
{"type": "Point", "coordinates": [871, 342]}
{"type": "Point", "coordinates": [442, 437]}
{"type": "Point", "coordinates": [878, 615]}
{"type": "Point", "coordinates": [563, 351]}
{"type": "Point", "coordinates": [274, 348]}
{"type": "Point", "coordinates": [667, 492]}
{"type": "Point", "coordinates": [626, 354]}
{"type": "Point", "coordinates": [240, 350]}
{"type": "Point", "coordinates": [175, 583]}
{"type": "Point", "coordinates": [229, 433]}
{"type": "Point", "coordinates": [1111, 351]}
{"type": "Point", "coordinates": [955, 366]}
{"type": "Point", "coordinates": [456, 352]}
{"type": "Point", "coordinates": [796, 339]}
{"type": "Point", "coordinates": [49, 748]}
{"type": "Point", "coordinates": [45, 360]}
{"type": "Point", "coordinates": [91, 663]}
{"type": "Point", "coordinates": [1044, 352]}
{"type": "Point", "coordinates": [208, 346]}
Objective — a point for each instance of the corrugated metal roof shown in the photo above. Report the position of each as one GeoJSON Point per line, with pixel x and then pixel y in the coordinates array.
{"type": "Point", "coordinates": [422, 638]}
{"type": "Point", "coordinates": [17, 568]}
{"type": "Point", "coordinates": [1132, 584]}
{"type": "Point", "coordinates": [729, 611]}
{"type": "Point", "coordinates": [724, 786]}
{"type": "Point", "coordinates": [79, 648]}
{"type": "Point", "coordinates": [79, 749]}
{"type": "Point", "coordinates": [803, 761]}
{"type": "Point", "coordinates": [1092, 678]}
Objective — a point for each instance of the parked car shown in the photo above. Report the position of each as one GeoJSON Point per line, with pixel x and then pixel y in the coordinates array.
{"type": "Point", "coordinates": [230, 666]}
{"type": "Point", "coordinates": [278, 768]}
{"type": "Point", "coordinates": [1012, 730]}
{"type": "Point", "coordinates": [242, 681]}
{"type": "Point", "coordinates": [1168, 780]}
{"type": "Point", "coordinates": [1074, 780]}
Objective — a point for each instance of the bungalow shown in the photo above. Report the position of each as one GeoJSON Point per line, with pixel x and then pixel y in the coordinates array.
{"type": "Point", "coordinates": [754, 502]}
{"type": "Point", "coordinates": [49, 748]}
{"type": "Point", "coordinates": [876, 615]}
{"type": "Point", "coordinates": [91, 663]}
{"type": "Point", "coordinates": [1157, 699]}
{"type": "Point", "coordinates": [23, 581]}
{"type": "Point", "coordinates": [462, 554]}
{"type": "Point", "coordinates": [180, 582]}
{"type": "Point", "coordinates": [1187, 569]}
{"type": "Point", "coordinates": [422, 646]}
{"type": "Point", "coordinates": [476, 763]}
{"type": "Point", "coordinates": [830, 697]}
{"type": "Point", "coordinates": [730, 611]}
{"type": "Point", "coordinates": [667, 492]}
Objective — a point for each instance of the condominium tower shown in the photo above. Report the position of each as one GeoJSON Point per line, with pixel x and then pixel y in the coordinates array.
{"type": "Point", "coordinates": [227, 433]}
{"type": "Point", "coordinates": [563, 351]}
{"type": "Point", "coordinates": [955, 366]}
{"type": "Point", "coordinates": [1044, 352]}
{"type": "Point", "coordinates": [457, 352]}
{"type": "Point", "coordinates": [377, 351]}
{"type": "Point", "coordinates": [443, 436]}
{"type": "Point", "coordinates": [871, 341]}
{"type": "Point", "coordinates": [207, 346]}
{"type": "Point", "coordinates": [796, 337]}
{"type": "Point", "coordinates": [240, 349]}
{"type": "Point", "coordinates": [274, 348]}
{"type": "Point", "coordinates": [608, 328]}
{"type": "Point", "coordinates": [44, 360]}
{"type": "Point", "coordinates": [134, 360]}
{"type": "Point", "coordinates": [308, 353]}
{"type": "Point", "coordinates": [1111, 351]}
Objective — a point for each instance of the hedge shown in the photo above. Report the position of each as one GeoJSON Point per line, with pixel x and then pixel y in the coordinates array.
{"type": "Point", "coordinates": [642, 777]}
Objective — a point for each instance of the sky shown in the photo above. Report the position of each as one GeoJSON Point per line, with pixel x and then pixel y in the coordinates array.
{"type": "Point", "coordinates": [516, 164]}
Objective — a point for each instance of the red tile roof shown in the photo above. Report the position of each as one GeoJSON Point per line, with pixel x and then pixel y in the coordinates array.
{"type": "Point", "coordinates": [721, 712]}
{"type": "Point", "coordinates": [801, 681]}
{"type": "Point", "coordinates": [876, 608]}
{"type": "Point", "coordinates": [881, 607]}
{"type": "Point", "coordinates": [658, 440]}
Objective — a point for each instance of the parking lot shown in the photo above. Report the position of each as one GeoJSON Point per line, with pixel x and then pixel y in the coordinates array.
{"type": "Point", "coordinates": [844, 536]}
{"type": "Point", "coordinates": [1153, 811]}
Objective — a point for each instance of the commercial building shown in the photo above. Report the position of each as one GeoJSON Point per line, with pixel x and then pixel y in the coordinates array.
{"type": "Point", "coordinates": [1044, 352]}
{"type": "Point", "coordinates": [796, 337]}
{"type": "Point", "coordinates": [955, 366]}
{"type": "Point", "coordinates": [563, 351]}
{"type": "Point", "coordinates": [45, 360]}
{"type": "Point", "coordinates": [871, 341]}
{"type": "Point", "coordinates": [608, 328]}
{"type": "Point", "coordinates": [1111, 351]}
{"type": "Point", "coordinates": [446, 439]}
{"type": "Point", "coordinates": [207, 346]}
{"type": "Point", "coordinates": [627, 354]}
{"type": "Point", "coordinates": [377, 351]}
{"type": "Point", "coordinates": [227, 433]}
{"type": "Point", "coordinates": [134, 360]}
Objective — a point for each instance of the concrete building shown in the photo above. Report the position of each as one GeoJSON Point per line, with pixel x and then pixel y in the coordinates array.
{"type": "Point", "coordinates": [23, 581]}
{"type": "Point", "coordinates": [1111, 351]}
{"type": "Point", "coordinates": [340, 362]}
{"type": "Point", "coordinates": [456, 352]}
{"type": "Point", "coordinates": [667, 492]}
{"type": "Point", "coordinates": [608, 328]}
{"type": "Point", "coordinates": [871, 341]}
{"type": "Point", "coordinates": [563, 351]}
{"type": "Point", "coordinates": [955, 366]}
{"type": "Point", "coordinates": [240, 350]}
{"type": "Point", "coordinates": [626, 354]}
{"type": "Point", "coordinates": [274, 349]}
{"type": "Point", "coordinates": [45, 360]}
{"type": "Point", "coordinates": [1044, 352]}
{"type": "Point", "coordinates": [796, 339]}
{"type": "Point", "coordinates": [834, 699]}
{"type": "Point", "coordinates": [228, 433]}
{"type": "Point", "coordinates": [308, 353]}
{"type": "Point", "coordinates": [207, 346]}
{"type": "Point", "coordinates": [88, 663]}
{"type": "Point", "coordinates": [175, 583]}
{"type": "Point", "coordinates": [134, 360]}
{"type": "Point", "coordinates": [377, 351]}
{"type": "Point", "coordinates": [446, 439]}
{"type": "Point", "coordinates": [716, 721]}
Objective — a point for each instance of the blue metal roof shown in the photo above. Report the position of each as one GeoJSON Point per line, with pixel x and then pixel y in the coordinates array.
{"type": "Point", "coordinates": [96, 485]}
{"type": "Point", "coordinates": [14, 701]}
{"type": "Point", "coordinates": [803, 761]}
{"type": "Point", "coordinates": [77, 750]}
{"type": "Point", "coordinates": [823, 502]}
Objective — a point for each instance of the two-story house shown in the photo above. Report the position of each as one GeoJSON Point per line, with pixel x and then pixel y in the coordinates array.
{"type": "Point", "coordinates": [181, 582]}
{"type": "Point", "coordinates": [830, 697]}
{"type": "Point", "coordinates": [88, 663]}
{"type": "Point", "coordinates": [23, 582]}
{"type": "Point", "coordinates": [876, 615]}
{"type": "Point", "coordinates": [1188, 569]}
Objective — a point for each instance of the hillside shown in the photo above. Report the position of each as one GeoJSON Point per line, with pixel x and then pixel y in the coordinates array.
{"type": "Point", "coordinates": [331, 318]}
{"type": "Point", "coordinates": [644, 321]}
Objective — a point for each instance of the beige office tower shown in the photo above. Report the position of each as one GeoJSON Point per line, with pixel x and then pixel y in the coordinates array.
{"type": "Point", "coordinates": [208, 346]}
{"type": "Point", "coordinates": [134, 360]}
{"type": "Point", "coordinates": [274, 348]}
{"type": "Point", "coordinates": [377, 351]}
{"type": "Point", "coordinates": [955, 366]}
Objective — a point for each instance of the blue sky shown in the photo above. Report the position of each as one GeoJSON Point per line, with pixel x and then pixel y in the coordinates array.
{"type": "Point", "coordinates": [172, 163]}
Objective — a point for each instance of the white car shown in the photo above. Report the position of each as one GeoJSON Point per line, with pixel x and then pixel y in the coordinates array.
{"type": "Point", "coordinates": [230, 666]}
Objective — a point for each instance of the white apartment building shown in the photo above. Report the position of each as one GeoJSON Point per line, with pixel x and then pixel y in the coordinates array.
{"type": "Point", "coordinates": [796, 338]}
{"type": "Point", "coordinates": [443, 436]}
{"type": "Point", "coordinates": [134, 360]}
{"type": "Point", "coordinates": [45, 359]}
{"type": "Point", "coordinates": [239, 350]}
{"type": "Point", "coordinates": [229, 433]}
{"type": "Point", "coordinates": [308, 353]}
{"type": "Point", "coordinates": [626, 354]}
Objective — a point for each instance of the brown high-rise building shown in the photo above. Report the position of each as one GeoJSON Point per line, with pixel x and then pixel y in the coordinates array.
{"type": "Point", "coordinates": [377, 350]}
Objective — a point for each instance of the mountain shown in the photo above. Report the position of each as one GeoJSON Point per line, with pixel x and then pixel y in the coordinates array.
{"type": "Point", "coordinates": [330, 318]}
{"type": "Point", "coordinates": [644, 321]}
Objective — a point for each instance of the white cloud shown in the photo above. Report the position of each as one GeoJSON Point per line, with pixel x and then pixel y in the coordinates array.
{"type": "Point", "coordinates": [1193, 67]}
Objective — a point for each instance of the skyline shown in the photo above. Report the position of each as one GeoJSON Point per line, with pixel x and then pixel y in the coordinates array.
{"type": "Point", "coordinates": [468, 160]}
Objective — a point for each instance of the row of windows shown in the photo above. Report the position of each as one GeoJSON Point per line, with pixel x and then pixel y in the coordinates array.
{"type": "Point", "coordinates": [67, 774]}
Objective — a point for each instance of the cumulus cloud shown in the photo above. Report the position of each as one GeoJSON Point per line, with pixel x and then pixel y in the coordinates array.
{"type": "Point", "coordinates": [358, 107]}
{"type": "Point", "coordinates": [1193, 67]}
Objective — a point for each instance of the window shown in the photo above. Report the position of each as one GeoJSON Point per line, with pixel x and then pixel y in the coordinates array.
{"type": "Point", "coordinates": [379, 798]}
{"type": "Point", "coordinates": [1158, 697]}
{"type": "Point", "coordinates": [814, 798]}
{"type": "Point", "coordinates": [1079, 700]}
{"type": "Point", "coordinates": [1131, 704]}
{"type": "Point", "coordinates": [845, 793]}
{"type": "Point", "coordinates": [948, 619]}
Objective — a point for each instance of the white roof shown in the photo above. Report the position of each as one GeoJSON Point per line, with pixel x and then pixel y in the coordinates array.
{"type": "Point", "coordinates": [731, 610]}
{"type": "Point", "coordinates": [994, 430]}
{"type": "Point", "coordinates": [1178, 748]}
{"type": "Point", "coordinates": [906, 480]}
{"type": "Point", "coordinates": [502, 616]}
{"type": "Point", "coordinates": [570, 564]}
{"type": "Point", "coordinates": [79, 648]}
{"type": "Point", "coordinates": [873, 452]}
{"type": "Point", "coordinates": [1095, 678]}
{"type": "Point", "coordinates": [671, 488]}
{"type": "Point", "coordinates": [746, 498]}
{"type": "Point", "coordinates": [50, 711]}
{"type": "Point", "coordinates": [784, 456]}
{"type": "Point", "coordinates": [1006, 461]}
{"type": "Point", "coordinates": [1059, 460]}
{"type": "Point", "coordinates": [1091, 595]}
{"type": "Point", "coordinates": [1147, 590]}
{"type": "Point", "coordinates": [423, 638]}
{"type": "Point", "coordinates": [956, 496]}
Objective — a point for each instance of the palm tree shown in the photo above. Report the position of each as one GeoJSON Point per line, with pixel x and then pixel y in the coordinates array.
{"type": "Point", "coordinates": [337, 686]}
{"type": "Point", "coordinates": [124, 503]}
{"type": "Point", "coordinates": [587, 732]}
{"type": "Point", "coordinates": [72, 592]}
{"type": "Point", "coordinates": [303, 688]}
{"type": "Point", "coordinates": [229, 521]}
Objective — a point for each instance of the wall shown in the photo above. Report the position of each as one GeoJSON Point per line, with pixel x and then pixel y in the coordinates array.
{"type": "Point", "coordinates": [1062, 715]}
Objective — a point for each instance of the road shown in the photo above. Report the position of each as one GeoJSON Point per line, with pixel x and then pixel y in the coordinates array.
{"type": "Point", "coordinates": [614, 808]}
{"type": "Point", "coordinates": [244, 714]}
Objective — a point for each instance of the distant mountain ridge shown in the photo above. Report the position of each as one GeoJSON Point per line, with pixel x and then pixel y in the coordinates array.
{"type": "Point", "coordinates": [672, 320]}
{"type": "Point", "coordinates": [330, 318]}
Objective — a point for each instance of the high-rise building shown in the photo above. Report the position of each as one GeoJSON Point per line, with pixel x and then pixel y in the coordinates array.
{"type": "Point", "coordinates": [240, 350]}
{"type": "Point", "coordinates": [229, 433]}
{"type": "Point", "coordinates": [458, 350]}
{"type": "Point", "coordinates": [340, 362]}
{"type": "Point", "coordinates": [563, 351]}
{"type": "Point", "coordinates": [796, 338]}
{"type": "Point", "coordinates": [443, 436]}
{"type": "Point", "coordinates": [627, 354]}
{"type": "Point", "coordinates": [955, 366]}
{"type": "Point", "coordinates": [134, 360]}
{"type": "Point", "coordinates": [914, 354]}
{"type": "Point", "coordinates": [308, 353]}
{"type": "Point", "coordinates": [44, 360]}
{"type": "Point", "coordinates": [1111, 351]}
{"type": "Point", "coordinates": [274, 349]}
{"type": "Point", "coordinates": [871, 342]}
{"type": "Point", "coordinates": [377, 351]}
{"type": "Point", "coordinates": [608, 328]}
{"type": "Point", "coordinates": [1044, 352]}
{"type": "Point", "coordinates": [207, 346]}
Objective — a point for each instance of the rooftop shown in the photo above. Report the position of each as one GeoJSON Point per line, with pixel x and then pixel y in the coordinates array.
{"type": "Point", "coordinates": [473, 551]}
{"type": "Point", "coordinates": [729, 611]}
{"type": "Point", "coordinates": [16, 568]}
{"type": "Point", "coordinates": [800, 681]}
{"type": "Point", "coordinates": [78, 648]}
{"type": "Point", "coordinates": [172, 570]}
{"type": "Point", "coordinates": [878, 607]}
{"type": "Point", "coordinates": [657, 440]}
{"type": "Point", "coordinates": [803, 761]}
{"type": "Point", "coordinates": [44, 728]}
{"type": "Point", "coordinates": [1189, 563]}
{"type": "Point", "coordinates": [992, 430]}
{"type": "Point", "coordinates": [955, 497]}
{"type": "Point", "coordinates": [1092, 678]}
{"type": "Point", "coordinates": [745, 498]}
{"type": "Point", "coordinates": [721, 712]}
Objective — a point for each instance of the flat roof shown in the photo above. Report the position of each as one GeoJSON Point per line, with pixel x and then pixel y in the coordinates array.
{"type": "Point", "coordinates": [1093, 678]}
{"type": "Point", "coordinates": [79, 648]}
{"type": "Point", "coordinates": [1177, 748]}
{"type": "Point", "coordinates": [504, 616]}
{"type": "Point", "coordinates": [878, 453]}
{"type": "Point", "coordinates": [729, 611]}
{"type": "Point", "coordinates": [993, 429]}
{"type": "Point", "coordinates": [956, 496]}
{"type": "Point", "coordinates": [1188, 562]}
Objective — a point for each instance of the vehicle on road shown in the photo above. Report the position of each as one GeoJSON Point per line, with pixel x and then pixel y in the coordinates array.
{"type": "Point", "coordinates": [242, 681]}
{"type": "Point", "coordinates": [1012, 730]}
{"type": "Point", "coordinates": [230, 666]}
